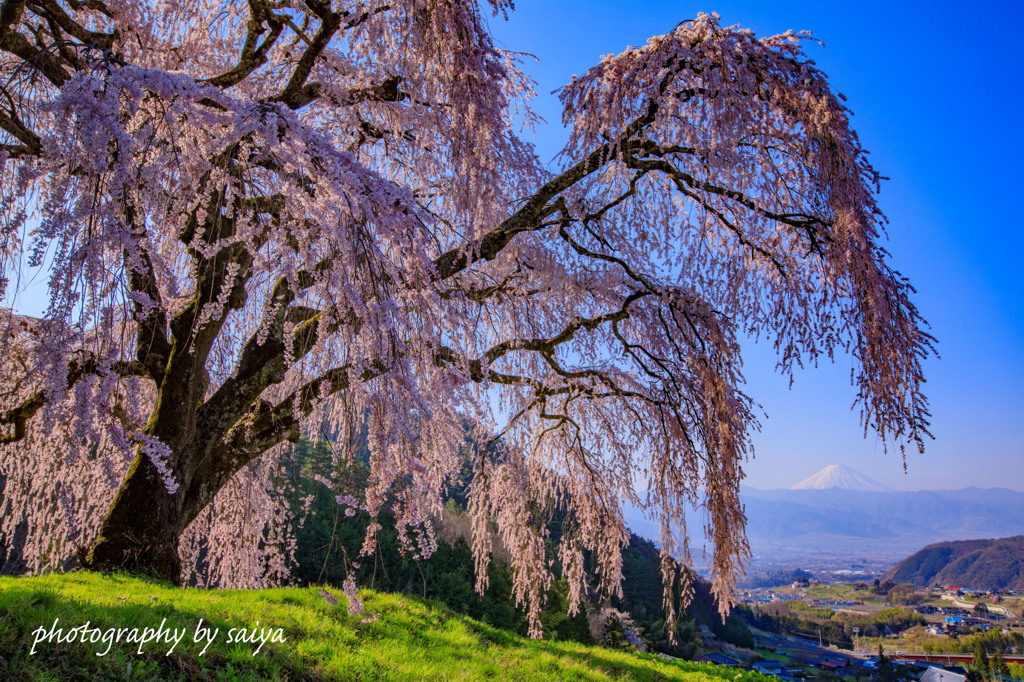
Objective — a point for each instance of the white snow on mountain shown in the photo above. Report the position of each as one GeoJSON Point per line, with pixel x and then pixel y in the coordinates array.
{"type": "Point", "coordinates": [839, 476]}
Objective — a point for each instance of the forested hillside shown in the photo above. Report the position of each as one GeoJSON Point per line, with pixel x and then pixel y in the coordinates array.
{"type": "Point", "coordinates": [980, 564]}
{"type": "Point", "coordinates": [328, 543]}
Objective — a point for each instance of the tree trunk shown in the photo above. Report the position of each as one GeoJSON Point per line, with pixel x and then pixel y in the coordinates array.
{"type": "Point", "coordinates": [143, 526]}
{"type": "Point", "coordinates": [141, 530]}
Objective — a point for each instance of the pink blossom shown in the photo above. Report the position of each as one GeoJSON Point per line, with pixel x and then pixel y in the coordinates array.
{"type": "Point", "coordinates": [349, 235]}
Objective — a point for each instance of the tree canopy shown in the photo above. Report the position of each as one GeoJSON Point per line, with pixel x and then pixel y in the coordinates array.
{"type": "Point", "coordinates": [268, 218]}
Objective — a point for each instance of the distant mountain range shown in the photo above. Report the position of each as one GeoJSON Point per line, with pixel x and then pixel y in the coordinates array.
{"type": "Point", "coordinates": [838, 515]}
{"type": "Point", "coordinates": [978, 564]}
{"type": "Point", "coordinates": [851, 522]}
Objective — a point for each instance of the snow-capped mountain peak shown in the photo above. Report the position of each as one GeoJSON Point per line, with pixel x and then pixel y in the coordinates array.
{"type": "Point", "coordinates": [839, 476]}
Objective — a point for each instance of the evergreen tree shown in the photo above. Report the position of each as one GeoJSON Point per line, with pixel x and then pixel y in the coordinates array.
{"type": "Point", "coordinates": [980, 664]}
{"type": "Point", "coordinates": [998, 664]}
{"type": "Point", "coordinates": [886, 670]}
{"type": "Point", "coordinates": [615, 634]}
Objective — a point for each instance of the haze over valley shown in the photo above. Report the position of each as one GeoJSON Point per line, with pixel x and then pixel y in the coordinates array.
{"type": "Point", "coordinates": [838, 521]}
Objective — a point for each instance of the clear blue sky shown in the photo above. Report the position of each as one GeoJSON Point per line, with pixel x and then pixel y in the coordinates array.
{"type": "Point", "coordinates": [937, 90]}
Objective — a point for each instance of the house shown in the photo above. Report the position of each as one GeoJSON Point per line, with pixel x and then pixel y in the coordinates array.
{"type": "Point", "coordinates": [768, 667]}
{"type": "Point", "coordinates": [936, 674]}
{"type": "Point", "coordinates": [716, 658]}
{"type": "Point", "coordinates": [834, 663]}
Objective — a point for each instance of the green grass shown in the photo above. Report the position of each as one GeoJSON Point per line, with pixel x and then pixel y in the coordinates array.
{"type": "Point", "coordinates": [396, 638]}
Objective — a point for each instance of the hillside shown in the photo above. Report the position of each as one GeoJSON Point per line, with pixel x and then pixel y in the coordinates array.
{"type": "Point", "coordinates": [979, 564]}
{"type": "Point", "coordinates": [396, 638]}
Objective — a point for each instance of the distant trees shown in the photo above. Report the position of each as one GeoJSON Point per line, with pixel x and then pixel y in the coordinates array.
{"type": "Point", "coordinates": [785, 620]}
{"type": "Point", "coordinates": [882, 588]}
{"type": "Point", "coordinates": [621, 633]}
{"type": "Point", "coordinates": [983, 667]}
{"type": "Point", "coordinates": [901, 594]}
{"type": "Point", "coordinates": [990, 642]}
{"type": "Point", "coordinates": [776, 578]}
{"type": "Point", "coordinates": [795, 617]}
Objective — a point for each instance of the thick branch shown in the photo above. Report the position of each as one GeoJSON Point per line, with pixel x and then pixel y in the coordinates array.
{"type": "Point", "coordinates": [38, 58]}
{"type": "Point", "coordinates": [263, 427]}
{"type": "Point", "coordinates": [293, 95]}
{"type": "Point", "coordinates": [546, 346]}
{"type": "Point", "coordinates": [527, 219]}
{"type": "Point", "coordinates": [52, 11]}
{"type": "Point", "coordinates": [261, 362]}
{"type": "Point", "coordinates": [31, 142]}
{"type": "Point", "coordinates": [10, 14]}
{"type": "Point", "coordinates": [253, 56]}
{"type": "Point", "coordinates": [152, 347]}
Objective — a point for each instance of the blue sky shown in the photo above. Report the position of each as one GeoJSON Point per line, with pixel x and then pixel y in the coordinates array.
{"type": "Point", "coordinates": [936, 90]}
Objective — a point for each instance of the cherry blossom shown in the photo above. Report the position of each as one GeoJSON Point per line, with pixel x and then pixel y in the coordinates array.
{"type": "Point", "coordinates": [257, 219]}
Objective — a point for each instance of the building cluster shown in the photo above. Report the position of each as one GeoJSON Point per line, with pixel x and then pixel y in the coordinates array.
{"type": "Point", "coordinates": [800, 659]}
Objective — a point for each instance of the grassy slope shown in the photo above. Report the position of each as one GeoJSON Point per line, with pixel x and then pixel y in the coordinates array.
{"type": "Point", "coordinates": [411, 639]}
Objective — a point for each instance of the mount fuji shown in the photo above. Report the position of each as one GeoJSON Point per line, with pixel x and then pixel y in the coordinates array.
{"type": "Point", "coordinates": [839, 476]}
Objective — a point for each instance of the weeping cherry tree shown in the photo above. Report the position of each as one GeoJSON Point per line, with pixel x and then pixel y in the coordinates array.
{"type": "Point", "coordinates": [254, 219]}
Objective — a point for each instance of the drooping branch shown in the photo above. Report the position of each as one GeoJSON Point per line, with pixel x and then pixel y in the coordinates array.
{"type": "Point", "coordinates": [815, 228]}
{"type": "Point", "coordinates": [18, 416]}
{"type": "Point", "coordinates": [546, 346]}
